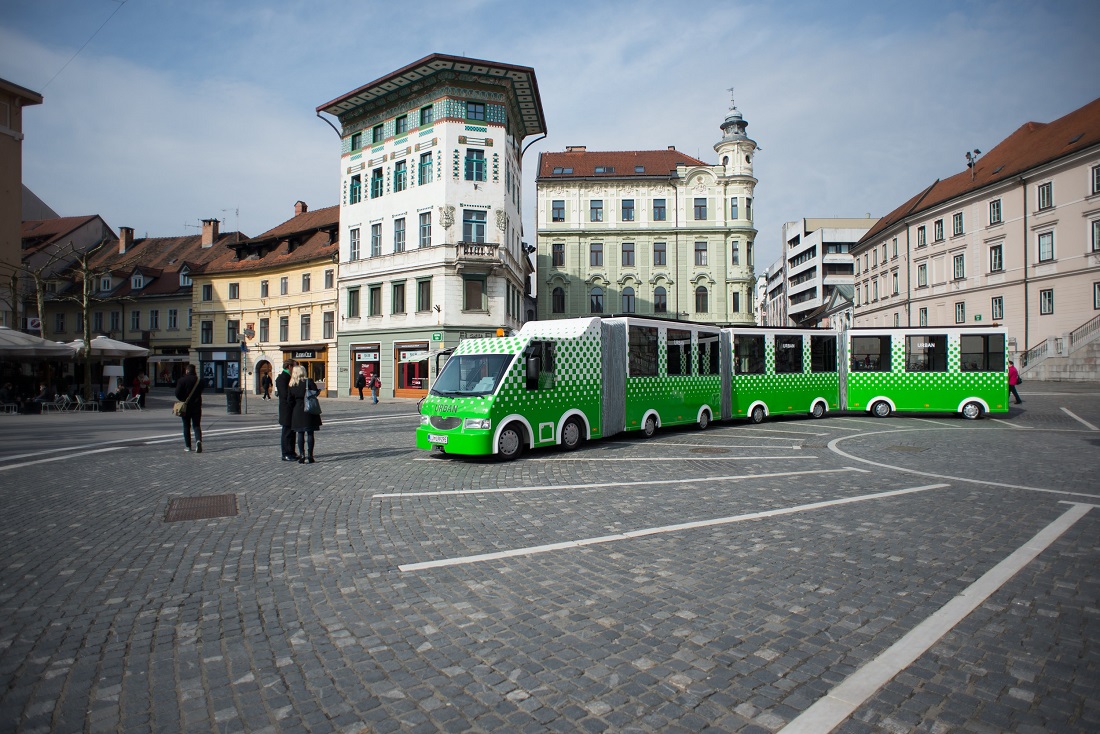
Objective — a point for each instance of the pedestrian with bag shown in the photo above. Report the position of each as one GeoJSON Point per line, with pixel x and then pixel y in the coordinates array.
{"type": "Point", "coordinates": [305, 411]}
{"type": "Point", "coordinates": [1013, 381]}
{"type": "Point", "coordinates": [282, 391]}
{"type": "Point", "coordinates": [189, 407]}
{"type": "Point", "coordinates": [143, 388]}
{"type": "Point", "coordinates": [375, 386]}
{"type": "Point", "coordinates": [360, 383]}
{"type": "Point", "coordinates": [265, 385]}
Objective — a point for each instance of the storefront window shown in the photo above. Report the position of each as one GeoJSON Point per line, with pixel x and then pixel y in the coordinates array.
{"type": "Point", "coordinates": [411, 369]}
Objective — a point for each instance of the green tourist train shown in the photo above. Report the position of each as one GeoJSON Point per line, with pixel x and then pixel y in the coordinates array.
{"type": "Point", "coordinates": [561, 382]}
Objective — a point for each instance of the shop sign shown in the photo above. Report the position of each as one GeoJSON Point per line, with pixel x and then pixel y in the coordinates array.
{"type": "Point", "coordinates": [437, 336]}
{"type": "Point", "coordinates": [304, 354]}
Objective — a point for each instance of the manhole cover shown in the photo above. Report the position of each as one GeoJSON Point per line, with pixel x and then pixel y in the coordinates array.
{"type": "Point", "coordinates": [201, 508]}
{"type": "Point", "coordinates": [909, 449]}
{"type": "Point", "coordinates": [710, 450]}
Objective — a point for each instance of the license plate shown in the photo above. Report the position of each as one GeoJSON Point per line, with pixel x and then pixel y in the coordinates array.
{"type": "Point", "coordinates": [436, 439]}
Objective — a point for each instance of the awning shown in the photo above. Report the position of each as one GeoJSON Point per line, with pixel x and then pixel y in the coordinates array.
{"type": "Point", "coordinates": [169, 358]}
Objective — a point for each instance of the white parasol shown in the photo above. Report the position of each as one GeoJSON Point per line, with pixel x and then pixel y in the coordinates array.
{"type": "Point", "coordinates": [18, 345]}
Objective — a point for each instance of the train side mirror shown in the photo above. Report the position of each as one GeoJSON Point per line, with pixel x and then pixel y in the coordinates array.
{"type": "Point", "coordinates": [534, 366]}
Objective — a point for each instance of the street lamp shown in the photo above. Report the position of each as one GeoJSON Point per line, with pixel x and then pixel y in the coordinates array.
{"type": "Point", "coordinates": [247, 334]}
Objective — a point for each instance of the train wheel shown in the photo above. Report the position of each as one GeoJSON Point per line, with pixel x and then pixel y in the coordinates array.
{"type": "Point", "coordinates": [510, 443]}
{"type": "Point", "coordinates": [881, 409]}
{"type": "Point", "coordinates": [650, 426]}
{"type": "Point", "coordinates": [704, 420]}
{"type": "Point", "coordinates": [972, 411]}
{"type": "Point", "coordinates": [818, 411]}
{"type": "Point", "coordinates": [571, 434]}
{"type": "Point", "coordinates": [757, 415]}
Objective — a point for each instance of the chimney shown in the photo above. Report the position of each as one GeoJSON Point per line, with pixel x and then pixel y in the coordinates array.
{"type": "Point", "coordinates": [209, 232]}
{"type": "Point", "coordinates": [125, 239]}
{"type": "Point", "coordinates": [672, 147]}
{"type": "Point", "coordinates": [576, 148]}
{"type": "Point", "coordinates": [300, 207]}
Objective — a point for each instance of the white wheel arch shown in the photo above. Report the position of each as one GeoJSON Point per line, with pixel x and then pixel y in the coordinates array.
{"type": "Point", "coordinates": [819, 399]}
{"type": "Point", "coordinates": [979, 401]}
{"type": "Point", "coordinates": [707, 408]}
{"type": "Point", "coordinates": [655, 414]}
{"type": "Point", "coordinates": [566, 416]}
{"type": "Point", "coordinates": [509, 419]}
{"type": "Point", "coordinates": [883, 398]}
{"type": "Point", "coordinates": [762, 404]}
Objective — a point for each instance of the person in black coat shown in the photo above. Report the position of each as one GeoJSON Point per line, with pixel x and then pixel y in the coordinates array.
{"type": "Point", "coordinates": [189, 390]}
{"type": "Point", "coordinates": [360, 383]}
{"type": "Point", "coordinates": [282, 389]}
{"type": "Point", "coordinates": [303, 423]}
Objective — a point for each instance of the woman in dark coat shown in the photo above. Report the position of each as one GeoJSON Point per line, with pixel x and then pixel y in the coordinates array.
{"type": "Point", "coordinates": [189, 390]}
{"type": "Point", "coordinates": [301, 422]}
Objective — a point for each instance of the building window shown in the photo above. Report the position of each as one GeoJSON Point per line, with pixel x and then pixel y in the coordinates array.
{"type": "Point", "coordinates": [427, 116]}
{"type": "Point", "coordinates": [874, 258]}
{"type": "Point", "coordinates": [426, 174]}
{"type": "Point", "coordinates": [557, 255]}
{"type": "Point", "coordinates": [232, 331]}
{"type": "Point", "coordinates": [400, 171]}
{"type": "Point", "coordinates": [473, 226]}
{"type": "Point", "coordinates": [284, 285]}
{"type": "Point", "coordinates": [353, 244]}
{"type": "Point", "coordinates": [960, 313]}
{"type": "Point", "coordinates": [328, 325]}
{"type": "Point", "coordinates": [135, 320]}
{"type": "Point", "coordinates": [996, 258]}
{"type": "Point", "coordinates": [356, 141]}
{"type": "Point", "coordinates": [735, 249]}
{"type": "Point", "coordinates": [59, 323]}
{"type": "Point", "coordinates": [922, 236]}
{"type": "Point", "coordinates": [736, 302]}
{"type": "Point", "coordinates": [234, 291]}
{"type": "Point", "coordinates": [425, 229]}
{"type": "Point", "coordinates": [1046, 195]}
{"type": "Point", "coordinates": [628, 300]}
{"type": "Point", "coordinates": [284, 328]}
{"type": "Point", "coordinates": [399, 235]}
{"type": "Point", "coordinates": [628, 254]}
{"type": "Point", "coordinates": [1096, 296]}
{"type": "Point", "coordinates": [957, 224]}
{"type": "Point", "coordinates": [595, 254]}
{"type": "Point", "coordinates": [173, 319]}
{"type": "Point", "coordinates": [1046, 246]}
{"type": "Point", "coordinates": [264, 333]}
{"type": "Point", "coordinates": [264, 289]}
{"type": "Point", "coordinates": [733, 208]}
{"type": "Point", "coordinates": [874, 289]}
{"type": "Point", "coordinates": [1096, 236]}
{"type": "Point", "coordinates": [475, 165]}
{"type": "Point", "coordinates": [1046, 301]}
{"type": "Point", "coordinates": [700, 209]}
{"type": "Point", "coordinates": [473, 294]}
{"type": "Point", "coordinates": [595, 210]}
{"type": "Point", "coordinates": [374, 300]}
{"type": "Point", "coordinates": [475, 111]}
{"type": "Point", "coordinates": [896, 287]}
{"type": "Point", "coordinates": [660, 300]}
{"type": "Point", "coordinates": [207, 292]}
{"type": "Point", "coordinates": [701, 305]}
{"type": "Point", "coordinates": [922, 275]}
{"type": "Point", "coordinates": [959, 267]}
{"type": "Point", "coordinates": [330, 278]}
{"type": "Point", "coordinates": [116, 321]}
{"type": "Point", "coordinates": [557, 210]}
{"type": "Point", "coordinates": [995, 211]}
{"type": "Point", "coordinates": [376, 183]}
{"type": "Point", "coordinates": [377, 134]}
{"type": "Point", "coordinates": [922, 317]}
{"type": "Point", "coordinates": [376, 240]}
{"type": "Point", "coordinates": [700, 254]}
{"type": "Point", "coordinates": [185, 278]}
{"type": "Point", "coordinates": [998, 308]}
{"type": "Point", "coordinates": [355, 191]}
{"type": "Point", "coordinates": [206, 332]}
{"type": "Point", "coordinates": [190, 318]}
{"type": "Point", "coordinates": [401, 125]}
{"type": "Point", "coordinates": [397, 304]}
{"type": "Point", "coordinates": [105, 283]}
{"type": "Point", "coordinates": [628, 210]}
{"type": "Point", "coordinates": [895, 256]}
{"type": "Point", "coordinates": [659, 253]}
{"type": "Point", "coordinates": [595, 301]}
{"type": "Point", "coordinates": [658, 210]}
{"type": "Point", "coordinates": [557, 300]}
{"type": "Point", "coordinates": [307, 280]}
{"type": "Point", "coordinates": [353, 303]}
{"type": "Point", "coordinates": [424, 295]}
{"type": "Point", "coordinates": [937, 230]}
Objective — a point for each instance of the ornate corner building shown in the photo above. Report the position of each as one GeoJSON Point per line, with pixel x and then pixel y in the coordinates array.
{"type": "Point", "coordinates": [652, 232]}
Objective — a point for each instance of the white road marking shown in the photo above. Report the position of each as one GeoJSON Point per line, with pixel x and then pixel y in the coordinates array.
{"type": "Point", "coordinates": [1078, 418]}
{"type": "Point", "coordinates": [794, 445]}
{"type": "Point", "coordinates": [632, 534]}
{"type": "Point", "coordinates": [829, 712]}
{"type": "Point", "coordinates": [757, 429]}
{"type": "Point", "coordinates": [599, 485]}
{"type": "Point", "coordinates": [1010, 424]}
{"type": "Point", "coordinates": [58, 458]}
{"type": "Point", "coordinates": [701, 457]}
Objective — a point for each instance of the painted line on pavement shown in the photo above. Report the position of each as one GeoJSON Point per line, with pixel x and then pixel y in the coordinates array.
{"type": "Point", "coordinates": [633, 534]}
{"type": "Point", "coordinates": [756, 429]}
{"type": "Point", "coordinates": [933, 475]}
{"type": "Point", "coordinates": [1009, 424]}
{"type": "Point", "coordinates": [871, 421]}
{"type": "Point", "coordinates": [558, 459]}
{"type": "Point", "coordinates": [794, 445]}
{"type": "Point", "coordinates": [1078, 418]}
{"type": "Point", "coordinates": [59, 458]}
{"type": "Point", "coordinates": [600, 485]}
{"type": "Point", "coordinates": [841, 702]}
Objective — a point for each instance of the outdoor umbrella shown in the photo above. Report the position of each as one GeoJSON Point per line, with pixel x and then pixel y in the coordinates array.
{"type": "Point", "coordinates": [103, 346]}
{"type": "Point", "coordinates": [17, 345]}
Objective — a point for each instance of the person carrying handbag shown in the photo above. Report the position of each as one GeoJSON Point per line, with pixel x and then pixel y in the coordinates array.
{"type": "Point", "coordinates": [303, 423]}
{"type": "Point", "coordinates": [189, 392]}
{"type": "Point", "coordinates": [375, 386]}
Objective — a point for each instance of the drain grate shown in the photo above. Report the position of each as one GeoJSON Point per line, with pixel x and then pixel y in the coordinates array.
{"type": "Point", "coordinates": [710, 450]}
{"type": "Point", "coordinates": [201, 508]}
{"type": "Point", "coordinates": [909, 449]}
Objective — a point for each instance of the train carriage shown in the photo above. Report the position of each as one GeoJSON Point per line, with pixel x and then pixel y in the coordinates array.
{"type": "Point", "coordinates": [784, 372]}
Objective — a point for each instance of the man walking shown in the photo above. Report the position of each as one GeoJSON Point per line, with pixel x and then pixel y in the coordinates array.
{"type": "Point", "coordinates": [286, 435]}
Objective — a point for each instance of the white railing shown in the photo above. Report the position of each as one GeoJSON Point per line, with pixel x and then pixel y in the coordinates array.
{"type": "Point", "coordinates": [1084, 334]}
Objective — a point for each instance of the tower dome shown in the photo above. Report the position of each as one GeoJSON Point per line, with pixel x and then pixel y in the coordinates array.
{"type": "Point", "coordinates": [733, 127]}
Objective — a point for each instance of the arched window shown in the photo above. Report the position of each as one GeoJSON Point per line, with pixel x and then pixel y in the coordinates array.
{"type": "Point", "coordinates": [596, 300]}
{"type": "Point", "coordinates": [558, 300]}
{"type": "Point", "coordinates": [660, 300]}
{"type": "Point", "coordinates": [628, 300]}
{"type": "Point", "coordinates": [701, 300]}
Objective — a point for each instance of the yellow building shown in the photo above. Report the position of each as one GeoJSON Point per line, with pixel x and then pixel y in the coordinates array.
{"type": "Point", "coordinates": [268, 299]}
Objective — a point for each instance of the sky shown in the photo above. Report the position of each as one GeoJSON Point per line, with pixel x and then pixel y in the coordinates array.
{"type": "Point", "coordinates": [160, 113]}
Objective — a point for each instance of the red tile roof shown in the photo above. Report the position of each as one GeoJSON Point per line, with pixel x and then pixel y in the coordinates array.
{"type": "Point", "coordinates": [160, 259]}
{"type": "Point", "coordinates": [303, 238]}
{"type": "Point", "coordinates": [584, 163]}
{"type": "Point", "coordinates": [1034, 144]}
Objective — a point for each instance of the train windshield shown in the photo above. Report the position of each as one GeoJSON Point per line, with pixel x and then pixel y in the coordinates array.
{"type": "Point", "coordinates": [471, 375]}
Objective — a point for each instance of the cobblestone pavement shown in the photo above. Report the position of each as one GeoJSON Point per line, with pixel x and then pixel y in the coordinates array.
{"type": "Point", "coordinates": [723, 580]}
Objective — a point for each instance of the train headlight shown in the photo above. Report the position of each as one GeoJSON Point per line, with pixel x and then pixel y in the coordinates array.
{"type": "Point", "coordinates": [481, 423]}
{"type": "Point", "coordinates": [425, 420]}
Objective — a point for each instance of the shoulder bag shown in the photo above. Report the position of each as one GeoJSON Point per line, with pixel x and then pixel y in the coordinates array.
{"type": "Point", "coordinates": [179, 408]}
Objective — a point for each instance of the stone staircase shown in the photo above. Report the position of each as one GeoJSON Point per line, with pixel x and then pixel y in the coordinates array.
{"type": "Point", "coordinates": [1071, 357]}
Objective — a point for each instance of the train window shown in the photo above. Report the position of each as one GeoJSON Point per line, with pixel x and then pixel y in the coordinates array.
{"type": "Point", "coordinates": [823, 353]}
{"type": "Point", "coordinates": [708, 353]}
{"type": "Point", "coordinates": [643, 351]}
{"type": "Point", "coordinates": [870, 354]}
{"type": "Point", "coordinates": [788, 355]}
{"type": "Point", "coordinates": [982, 353]}
{"type": "Point", "coordinates": [748, 354]}
{"type": "Point", "coordinates": [926, 353]}
{"type": "Point", "coordinates": [679, 352]}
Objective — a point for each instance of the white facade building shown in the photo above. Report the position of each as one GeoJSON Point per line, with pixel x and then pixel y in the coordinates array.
{"type": "Point", "coordinates": [817, 262]}
{"type": "Point", "coordinates": [430, 230]}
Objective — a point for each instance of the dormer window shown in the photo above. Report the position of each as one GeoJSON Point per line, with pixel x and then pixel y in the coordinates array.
{"type": "Point", "coordinates": [605, 169]}
{"type": "Point", "coordinates": [105, 283]}
{"type": "Point", "coordinates": [137, 282]}
{"type": "Point", "coordinates": [185, 277]}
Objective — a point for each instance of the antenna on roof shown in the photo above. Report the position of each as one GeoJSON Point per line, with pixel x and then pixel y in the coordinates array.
{"type": "Point", "coordinates": [971, 161]}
